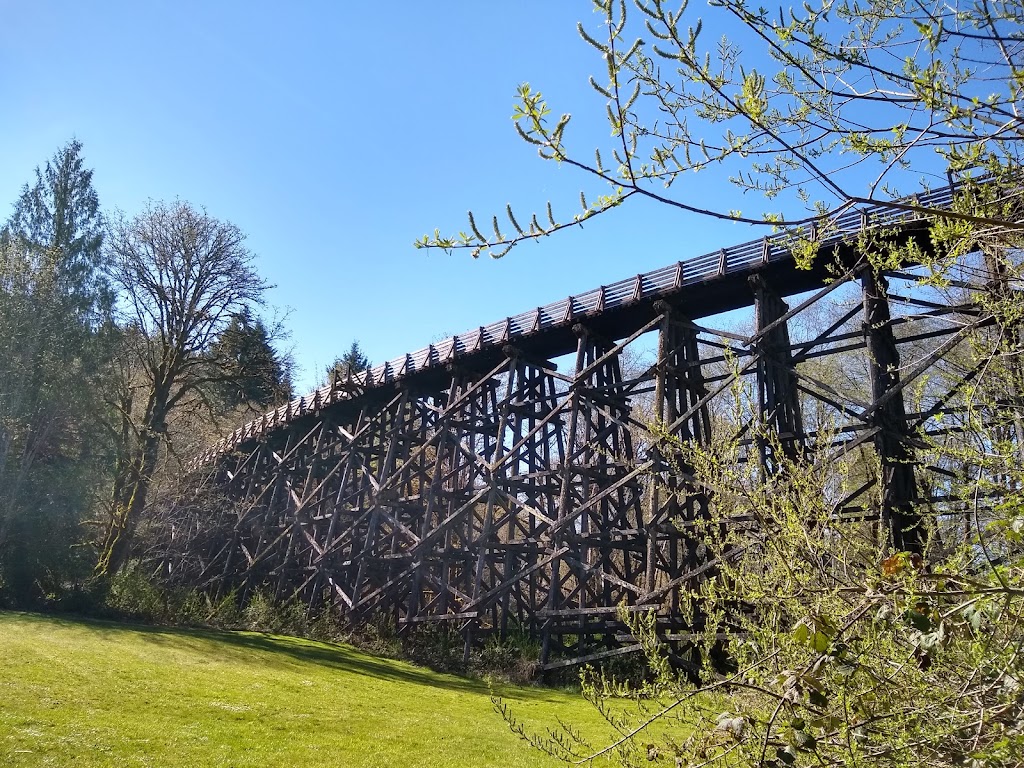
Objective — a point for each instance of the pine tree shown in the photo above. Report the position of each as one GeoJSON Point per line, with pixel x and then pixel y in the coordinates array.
{"type": "Point", "coordinates": [251, 372]}
{"type": "Point", "coordinates": [353, 361]}
{"type": "Point", "coordinates": [54, 305]}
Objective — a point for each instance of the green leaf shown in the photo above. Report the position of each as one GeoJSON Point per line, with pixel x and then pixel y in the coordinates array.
{"type": "Point", "coordinates": [802, 633]}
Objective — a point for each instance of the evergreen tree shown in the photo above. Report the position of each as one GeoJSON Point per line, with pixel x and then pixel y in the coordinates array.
{"type": "Point", "coordinates": [353, 361]}
{"type": "Point", "coordinates": [250, 370]}
{"type": "Point", "coordinates": [53, 305]}
{"type": "Point", "coordinates": [58, 218]}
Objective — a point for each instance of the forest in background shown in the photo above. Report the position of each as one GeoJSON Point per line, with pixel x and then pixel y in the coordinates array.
{"type": "Point", "coordinates": [126, 343]}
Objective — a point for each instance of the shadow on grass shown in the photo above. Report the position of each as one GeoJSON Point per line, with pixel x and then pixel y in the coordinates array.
{"type": "Point", "coordinates": [284, 651]}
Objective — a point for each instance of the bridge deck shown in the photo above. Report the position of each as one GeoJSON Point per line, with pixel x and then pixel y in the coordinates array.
{"type": "Point", "coordinates": [704, 285]}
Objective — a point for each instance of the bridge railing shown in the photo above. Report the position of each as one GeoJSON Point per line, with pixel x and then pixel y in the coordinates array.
{"type": "Point", "coordinates": [739, 258]}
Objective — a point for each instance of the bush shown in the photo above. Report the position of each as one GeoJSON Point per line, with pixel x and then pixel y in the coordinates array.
{"type": "Point", "coordinates": [513, 659]}
{"type": "Point", "coordinates": [842, 651]}
{"type": "Point", "coordinates": [262, 614]}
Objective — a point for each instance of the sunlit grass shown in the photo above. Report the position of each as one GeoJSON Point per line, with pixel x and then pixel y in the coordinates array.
{"type": "Point", "coordinates": [88, 693]}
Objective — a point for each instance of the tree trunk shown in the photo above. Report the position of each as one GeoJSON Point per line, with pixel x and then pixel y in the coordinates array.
{"type": "Point", "coordinates": [131, 487]}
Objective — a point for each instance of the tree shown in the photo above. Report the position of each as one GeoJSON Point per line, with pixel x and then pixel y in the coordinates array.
{"type": "Point", "coordinates": [251, 372]}
{"type": "Point", "coordinates": [353, 361]}
{"type": "Point", "coordinates": [59, 215]}
{"type": "Point", "coordinates": [843, 649]}
{"type": "Point", "coordinates": [54, 305]}
{"type": "Point", "coordinates": [183, 278]}
{"type": "Point", "coordinates": [828, 107]}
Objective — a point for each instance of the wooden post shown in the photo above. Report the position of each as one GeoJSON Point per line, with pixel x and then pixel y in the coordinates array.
{"type": "Point", "coordinates": [778, 405]}
{"type": "Point", "coordinates": [897, 485]}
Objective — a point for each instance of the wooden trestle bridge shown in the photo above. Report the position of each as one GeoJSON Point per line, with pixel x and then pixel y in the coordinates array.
{"type": "Point", "coordinates": [476, 482]}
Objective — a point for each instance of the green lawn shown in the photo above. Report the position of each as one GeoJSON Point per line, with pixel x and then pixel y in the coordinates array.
{"type": "Point", "coordinates": [87, 693]}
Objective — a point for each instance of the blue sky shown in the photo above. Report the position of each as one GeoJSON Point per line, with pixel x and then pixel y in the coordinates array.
{"type": "Point", "coordinates": [334, 135]}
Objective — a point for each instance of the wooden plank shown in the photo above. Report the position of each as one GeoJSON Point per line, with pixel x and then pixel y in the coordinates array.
{"type": "Point", "coordinates": [561, 663]}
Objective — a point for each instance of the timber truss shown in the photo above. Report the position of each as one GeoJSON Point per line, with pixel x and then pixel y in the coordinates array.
{"type": "Point", "coordinates": [481, 485]}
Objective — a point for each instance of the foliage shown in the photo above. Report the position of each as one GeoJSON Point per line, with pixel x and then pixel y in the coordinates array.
{"type": "Point", "coordinates": [840, 650]}
{"type": "Point", "coordinates": [129, 595]}
{"type": "Point", "coordinates": [59, 217]}
{"type": "Point", "coordinates": [54, 317]}
{"type": "Point", "coordinates": [442, 648]}
{"type": "Point", "coordinates": [251, 372]}
{"type": "Point", "coordinates": [263, 614]}
{"type": "Point", "coordinates": [514, 658]}
{"type": "Point", "coordinates": [819, 108]}
{"type": "Point", "coordinates": [88, 398]}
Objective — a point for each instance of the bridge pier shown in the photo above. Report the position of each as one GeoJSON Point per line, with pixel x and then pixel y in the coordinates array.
{"type": "Point", "coordinates": [888, 418]}
{"type": "Point", "coordinates": [678, 508]}
{"type": "Point", "coordinates": [779, 431]}
{"type": "Point", "coordinates": [1001, 292]}
{"type": "Point", "coordinates": [599, 513]}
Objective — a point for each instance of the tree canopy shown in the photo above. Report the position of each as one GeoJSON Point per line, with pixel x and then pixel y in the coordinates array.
{"type": "Point", "coordinates": [59, 218]}
{"type": "Point", "coordinates": [249, 370]}
{"type": "Point", "coordinates": [184, 278]}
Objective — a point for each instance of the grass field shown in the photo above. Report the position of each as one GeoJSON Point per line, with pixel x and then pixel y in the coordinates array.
{"type": "Point", "coordinates": [87, 693]}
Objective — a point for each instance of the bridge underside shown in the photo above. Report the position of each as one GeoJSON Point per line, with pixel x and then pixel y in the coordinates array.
{"type": "Point", "coordinates": [505, 493]}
